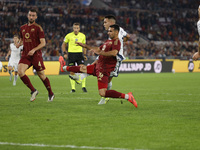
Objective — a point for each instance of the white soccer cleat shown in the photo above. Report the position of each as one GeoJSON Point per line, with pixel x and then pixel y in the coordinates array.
{"type": "Point", "coordinates": [14, 83]}
{"type": "Point", "coordinates": [33, 95]}
{"type": "Point", "coordinates": [103, 101]}
{"type": "Point", "coordinates": [51, 97]}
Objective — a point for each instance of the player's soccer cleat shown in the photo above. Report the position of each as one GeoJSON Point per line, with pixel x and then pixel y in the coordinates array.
{"type": "Point", "coordinates": [62, 63]}
{"type": "Point", "coordinates": [132, 99]}
{"type": "Point", "coordinates": [84, 89]}
{"type": "Point", "coordinates": [33, 95]}
{"type": "Point", "coordinates": [75, 78]}
{"type": "Point", "coordinates": [14, 83]}
{"type": "Point", "coordinates": [73, 91]}
{"type": "Point", "coordinates": [51, 97]}
{"type": "Point", "coordinates": [103, 101]}
{"type": "Point", "coordinates": [11, 75]}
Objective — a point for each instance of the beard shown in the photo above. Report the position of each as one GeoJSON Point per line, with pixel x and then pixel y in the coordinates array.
{"type": "Point", "coordinates": [31, 21]}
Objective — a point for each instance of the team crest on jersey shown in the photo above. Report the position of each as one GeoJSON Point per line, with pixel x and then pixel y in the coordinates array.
{"type": "Point", "coordinates": [32, 30]}
{"type": "Point", "coordinates": [23, 30]}
{"type": "Point", "coordinates": [104, 47]}
{"type": "Point", "coordinates": [27, 35]}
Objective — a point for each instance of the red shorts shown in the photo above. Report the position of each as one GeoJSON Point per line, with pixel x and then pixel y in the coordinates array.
{"type": "Point", "coordinates": [35, 61]}
{"type": "Point", "coordinates": [101, 78]}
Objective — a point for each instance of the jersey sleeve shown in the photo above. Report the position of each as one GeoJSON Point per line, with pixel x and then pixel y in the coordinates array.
{"type": "Point", "coordinates": [116, 45]}
{"type": "Point", "coordinates": [66, 39]}
{"type": "Point", "coordinates": [123, 32]}
{"type": "Point", "coordinates": [41, 32]}
{"type": "Point", "coordinates": [198, 27]}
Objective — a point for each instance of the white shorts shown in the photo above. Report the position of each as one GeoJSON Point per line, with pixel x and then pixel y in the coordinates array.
{"type": "Point", "coordinates": [13, 64]}
{"type": "Point", "coordinates": [116, 71]}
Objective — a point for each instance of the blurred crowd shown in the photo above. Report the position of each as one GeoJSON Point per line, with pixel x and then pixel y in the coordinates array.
{"type": "Point", "coordinates": [154, 20]}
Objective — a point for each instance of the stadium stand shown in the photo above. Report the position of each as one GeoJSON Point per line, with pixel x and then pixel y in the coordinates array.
{"type": "Point", "coordinates": [159, 29]}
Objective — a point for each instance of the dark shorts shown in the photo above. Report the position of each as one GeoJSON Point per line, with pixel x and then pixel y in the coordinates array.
{"type": "Point", "coordinates": [102, 78]}
{"type": "Point", "coordinates": [75, 58]}
{"type": "Point", "coordinates": [35, 61]}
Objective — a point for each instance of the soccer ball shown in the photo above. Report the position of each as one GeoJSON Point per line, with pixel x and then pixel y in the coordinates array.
{"type": "Point", "coordinates": [1, 66]}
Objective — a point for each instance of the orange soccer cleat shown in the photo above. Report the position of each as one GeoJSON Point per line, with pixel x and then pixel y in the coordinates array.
{"type": "Point", "coordinates": [132, 99]}
{"type": "Point", "coordinates": [62, 63]}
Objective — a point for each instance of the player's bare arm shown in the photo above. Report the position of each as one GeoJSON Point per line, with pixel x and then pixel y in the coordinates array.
{"type": "Point", "coordinates": [20, 43]}
{"type": "Point", "coordinates": [110, 53]}
{"type": "Point", "coordinates": [87, 46]}
{"type": "Point", "coordinates": [126, 37]}
{"type": "Point", "coordinates": [9, 52]}
{"type": "Point", "coordinates": [41, 45]}
{"type": "Point", "coordinates": [85, 53]}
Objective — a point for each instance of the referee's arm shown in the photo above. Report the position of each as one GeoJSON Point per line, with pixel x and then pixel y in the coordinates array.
{"type": "Point", "coordinates": [64, 49]}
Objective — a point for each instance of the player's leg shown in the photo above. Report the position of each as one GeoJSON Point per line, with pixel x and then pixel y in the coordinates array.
{"type": "Point", "coordinates": [47, 84]}
{"type": "Point", "coordinates": [103, 92]}
{"type": "Point", "coordinates": [10, 68]}
{"type": "Point", "coordinates": [38, 65]}
{"type": "Point", "coordinates": [16, 75]}
{"type": "Point", "coordinates": [21, 71]}
{"type": "Point", "coordinates": [114, 73]}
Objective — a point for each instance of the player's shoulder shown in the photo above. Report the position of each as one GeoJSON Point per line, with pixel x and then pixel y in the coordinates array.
{"type": "Point", "coordinates": [11, 44]}
{"type": "Point", "coordinates": [23, 26]}
{"type": "Point", "coordinates": [116, 41]}
{"type": "Point", "coordinates": [38, 26]}
{"type": "Point", "coordinates": [69, 34]}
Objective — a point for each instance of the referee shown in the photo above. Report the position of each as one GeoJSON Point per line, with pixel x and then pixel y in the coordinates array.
{"type": "Point", "coordinates": [76, 54]}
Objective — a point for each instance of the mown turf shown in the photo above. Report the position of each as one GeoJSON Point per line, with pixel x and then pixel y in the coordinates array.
{"type": "Point", "coordinates": [167, 117]}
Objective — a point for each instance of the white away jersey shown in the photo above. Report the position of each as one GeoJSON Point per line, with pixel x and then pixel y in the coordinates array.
{"type": "Point", "coordinates": [15, 52]}
{"type": "Point", "coordinates": [121, 36]}
{"type": "Point", "coordinates": [198, 27]}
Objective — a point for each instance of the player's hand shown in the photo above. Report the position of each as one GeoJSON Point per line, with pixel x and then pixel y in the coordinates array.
{"type": "Point", "coordinates": [30, 53]}
{"type": "Point", "coordinates": [195, 56]}
{"type": "Point", "coordinates": [17, 45]}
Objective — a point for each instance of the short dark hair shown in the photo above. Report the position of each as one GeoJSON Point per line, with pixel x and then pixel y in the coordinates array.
{"type": "Point", "coordinates": [33, 10]}
{"type": "Point", "coordinates": [111, 17]}
{"type": "Point", "coordinates": [76, 24]}
{"type": "Point", "coordinates": [115, 26]}
{"type": "Point", "coordinates": [16, 35]}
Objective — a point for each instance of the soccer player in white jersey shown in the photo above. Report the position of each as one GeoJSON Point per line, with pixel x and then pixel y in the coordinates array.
{"type": "Point", "coordinates": [123, 37]}
{"type": "Point", "coordinates": [14, 54]}
{"type": "Point", "coordinates": [197, 54]}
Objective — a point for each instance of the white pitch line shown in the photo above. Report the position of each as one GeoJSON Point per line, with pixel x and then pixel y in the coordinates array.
{"type": "Point", "coordinates": [61, 146]}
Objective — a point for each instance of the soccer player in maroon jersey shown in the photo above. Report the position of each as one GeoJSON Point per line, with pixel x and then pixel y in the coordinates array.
{"type": "Point", "coordinates": [33, 40]}
{"type": "Point", "coordinates": [105, 64]}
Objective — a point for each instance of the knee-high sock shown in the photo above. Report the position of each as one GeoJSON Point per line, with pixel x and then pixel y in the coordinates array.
{"type": "Point", "coordinates": [72, 84]}
{"type": "Point", "coordinates": [84, 82]}
{"type": "Point", "coordinates": [27, 82]}
{"type": "Point", "coordinates": [47, 85]}
{"type": "Point", "coordinates": [114, 94]}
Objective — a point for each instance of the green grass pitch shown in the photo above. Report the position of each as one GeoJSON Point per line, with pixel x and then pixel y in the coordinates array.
{"type": "Point", "coordinates": [167, 117]}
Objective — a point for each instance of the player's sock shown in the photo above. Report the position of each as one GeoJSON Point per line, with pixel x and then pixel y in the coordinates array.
{"type": "Point", "coordinates": [72, 84]}
{"type": "Point", "coordinates": [48, 85]}
{"type": "Point", "coordinates": [83, 82]}
{"type": "Point", "coordinates": [109, 85]}
{"type": "Point", "coordinates": [10, 71]}
{"type": "Point", "coordinates": [114, 94]}
{"type": "Point", "coordinates": [27, 82]}
{"type": "Point", "coordinates": [15, 78]}
{"type": "Point", "coordinates": [83, 75]}
{"type": "Point", "coordinates": [73, 68]}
